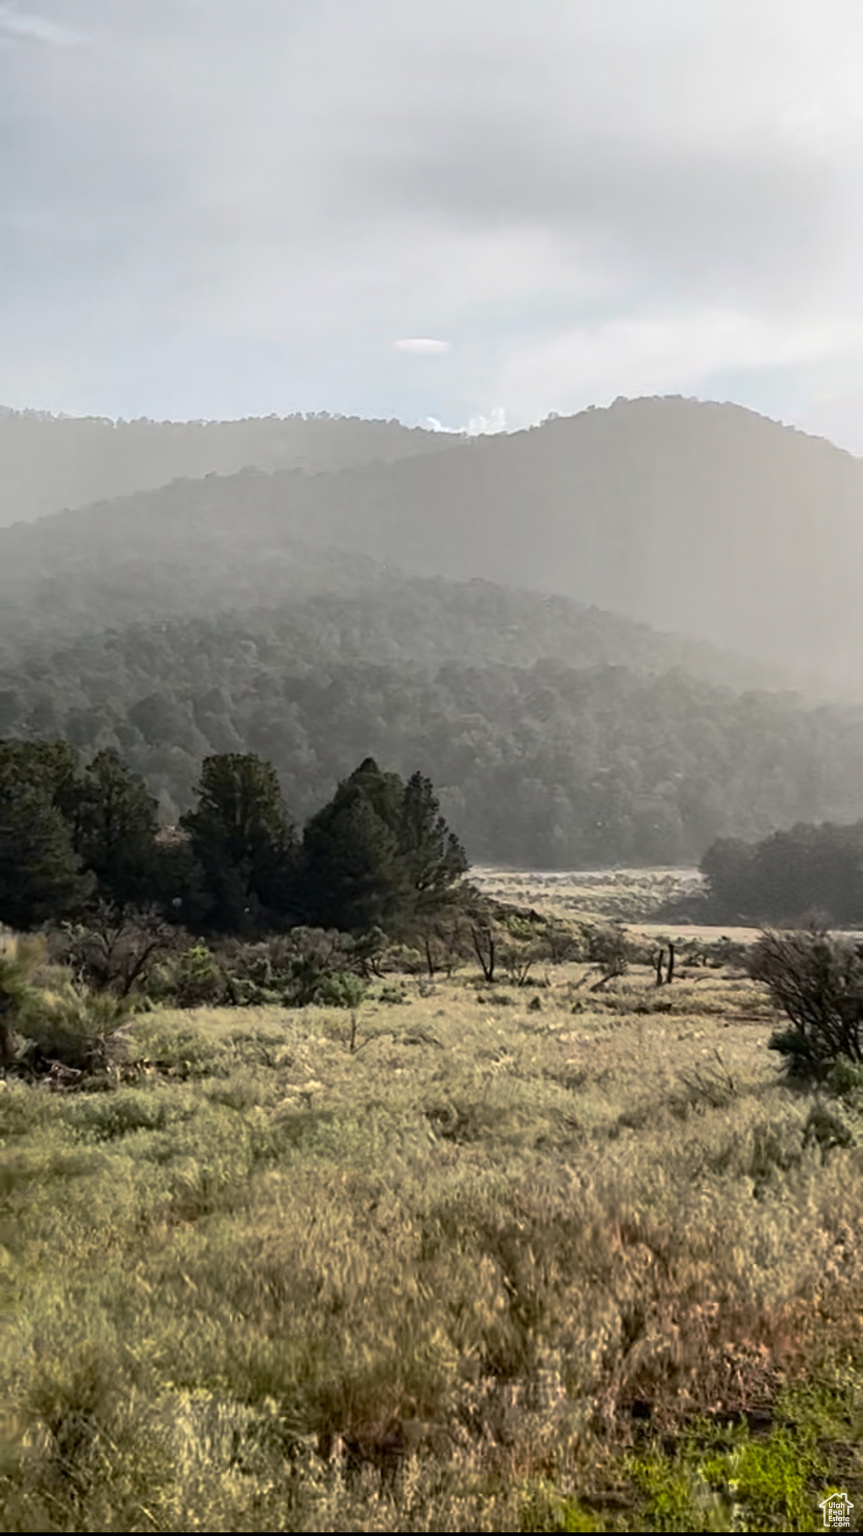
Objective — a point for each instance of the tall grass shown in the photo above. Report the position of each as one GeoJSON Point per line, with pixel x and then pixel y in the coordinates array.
{"type": "Point", "coordinates": [492, 1270]}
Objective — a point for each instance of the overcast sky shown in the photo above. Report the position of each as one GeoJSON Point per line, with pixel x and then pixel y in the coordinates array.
{"type": "Point", "coordinates": [212, 208]}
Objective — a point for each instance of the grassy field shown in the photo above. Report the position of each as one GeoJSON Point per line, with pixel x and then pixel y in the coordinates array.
{"type": "Point", "coordinates": [474, 1257]}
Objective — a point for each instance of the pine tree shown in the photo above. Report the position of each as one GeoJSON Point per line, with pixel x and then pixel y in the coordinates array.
{"type": "Point", "coordinates": [433, 855]}
{"type": "Point", "coordinates": [115, 830]}
{"type": "Point", "coordinates": [352, 874]}
{"type": "Point", "coordinates": [40, 874]}
{"type": "Point", "coordinates": [378, 853]}
{"type": "Point", "coordinates": [244, 841]}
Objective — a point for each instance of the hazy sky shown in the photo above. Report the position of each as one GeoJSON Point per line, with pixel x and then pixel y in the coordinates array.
{"type": "Point", "coordinates": [234, 207]}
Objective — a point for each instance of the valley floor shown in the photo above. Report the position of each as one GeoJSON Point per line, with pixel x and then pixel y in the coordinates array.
{"type": "Point", "coordinates": [627, 895]}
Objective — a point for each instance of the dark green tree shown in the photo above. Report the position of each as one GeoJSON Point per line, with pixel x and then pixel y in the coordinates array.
{"type": "Point", "coordinates": [377, 854]}
{"type": "Point", "coordinates": [53, 767]}
{"type": "Point", "coordinates": [243, 839]}
{"type": "Point", "coordinates": [352, 877]}
{"type": "Point", "coordinates": [115, 830]}
{"type": "Point", "coordinates": [41, 876]}
{"type": "Point", "coordinates": [109, 815]}
{"type": "Point", "coordinates": [433, 856]}
{"type": "Point", "coordinates": [727, 866]}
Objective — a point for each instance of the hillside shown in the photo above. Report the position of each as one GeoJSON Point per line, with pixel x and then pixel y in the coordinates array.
{"type": "Point", "coordinates": [69, 577]}
{"type": "Point", "coordinates": [276, 613]}
{"type": "Point", "coordinates": [698, 518]}
{"type": "Point", "coordinates": [52, 462]}
{"type": "Point", "coordinates": [537, 762]}
{"type": "Point", "coordinates": [702, 519]}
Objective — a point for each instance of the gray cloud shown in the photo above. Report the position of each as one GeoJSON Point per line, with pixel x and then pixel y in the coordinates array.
{"type": "Point", "coordinates": [213, 209]}
{"type": "Point", "coordinates": [23, 26]}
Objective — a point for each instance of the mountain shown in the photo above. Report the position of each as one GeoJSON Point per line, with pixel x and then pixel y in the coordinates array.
{"type": "Point", "coordinates": [449, 610]}
{"type": "Point", "coordinates": [48, 463]}
{"type": "Point", "coordinates": [702, 519]}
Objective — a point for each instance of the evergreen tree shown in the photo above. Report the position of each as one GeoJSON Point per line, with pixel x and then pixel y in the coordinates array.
{"type": "Point", "coordinates": [434, 857]}
{"type": "Point", "coordinates": [115, 830]}
{"type": "Point", "coordinates": [377, 853]}
{"type": "Point", "coordinates": [54, 767]}
{"type": "Point", "coordinates": [40, 874]}
{"type": "Point", "coordinates": [243, 839]}
{"type": "Point", "coordinates": [352, 875]}
{"type": "Point", "coordinates": [109, 815]}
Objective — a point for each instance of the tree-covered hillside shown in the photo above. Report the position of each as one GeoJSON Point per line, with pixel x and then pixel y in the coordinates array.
{"type": "Point", "coordinates": [702, 519]}
{"type": "Point", "coordinates": [331, 605]}
{"type": "Point", "coordinates": [271, 613]}
{"type": "Point", "coordinates": [52, 462]}
{"type": "Point", "coordinates": [540, 763]}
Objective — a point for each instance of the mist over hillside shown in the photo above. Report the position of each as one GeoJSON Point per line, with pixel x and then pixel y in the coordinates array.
{"type": "Point", "coordinates": [537, 762]}
{"type": "Point", "coordinates": [53, 462]}
{"type": "Point", "coordinates": [701, 519]}
{"type": "Point", "coordinates": [144, 559]}
{"type": "Point", "coordinates": [573, 629]}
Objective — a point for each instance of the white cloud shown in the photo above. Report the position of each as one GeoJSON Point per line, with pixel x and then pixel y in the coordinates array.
{"type": "Point", "coordinates": [480, 426]}
{"type": "Point", "coordinates": [422, 345]}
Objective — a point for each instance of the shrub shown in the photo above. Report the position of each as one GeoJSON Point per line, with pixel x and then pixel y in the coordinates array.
{"type": "Point", "coordinates": [114, 950]}
{"type": "Point", "coordinates": [817, 981]}
{"type": "Point", "coordinates": [72, 1026]}
{"type": "Point", "coordinates": [192, 979]}
{"type": "Point", "coordinates": [289, 970]}
{"type": "Point", "coordinates": [14, 996]}
{"type": "Point", "coordinates": [608, 948]}
{"type": "Point", "coordinates": [560, 943]}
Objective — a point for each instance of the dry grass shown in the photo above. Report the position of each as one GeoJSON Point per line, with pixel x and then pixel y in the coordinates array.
{"type": "Point", "coordinates": [445, 1270]}
{"type": "Point", "coordinates": [630, 895]}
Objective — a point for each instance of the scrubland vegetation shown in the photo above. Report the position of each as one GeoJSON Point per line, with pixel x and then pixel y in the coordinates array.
{"type": "Point", "coordinates": [570, 1254]}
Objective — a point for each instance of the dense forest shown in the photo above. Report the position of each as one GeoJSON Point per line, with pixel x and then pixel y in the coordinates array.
{"type": "Point", "coordinates": [275, 614]}
{"type": "Point", "coordinates": [545, 764]}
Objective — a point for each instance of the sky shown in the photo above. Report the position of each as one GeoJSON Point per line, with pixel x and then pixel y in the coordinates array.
{"type": "Point", "coordinates": [471, 214]}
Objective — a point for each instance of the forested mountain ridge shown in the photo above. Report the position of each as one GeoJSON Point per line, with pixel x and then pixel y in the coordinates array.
{"type": "Point", "coordinates": [701, 519]}
{"type": "Point", "coordinates": [542, 764]}
{"type": "Point", "coordinates": [50, 462]}
{"type": "Point", "coordinates": [334, 604]}
{"type": "Point", "coordinates": [273, 613]}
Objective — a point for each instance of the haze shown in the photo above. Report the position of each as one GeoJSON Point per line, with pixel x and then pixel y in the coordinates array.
{"type": "Point", "coordinates": [470, 215]}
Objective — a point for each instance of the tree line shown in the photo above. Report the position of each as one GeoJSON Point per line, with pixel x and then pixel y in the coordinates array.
{"type": "Point", "coordinates": [75, 833]}
{"type": "Point", "coordinates": [807, 871]}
